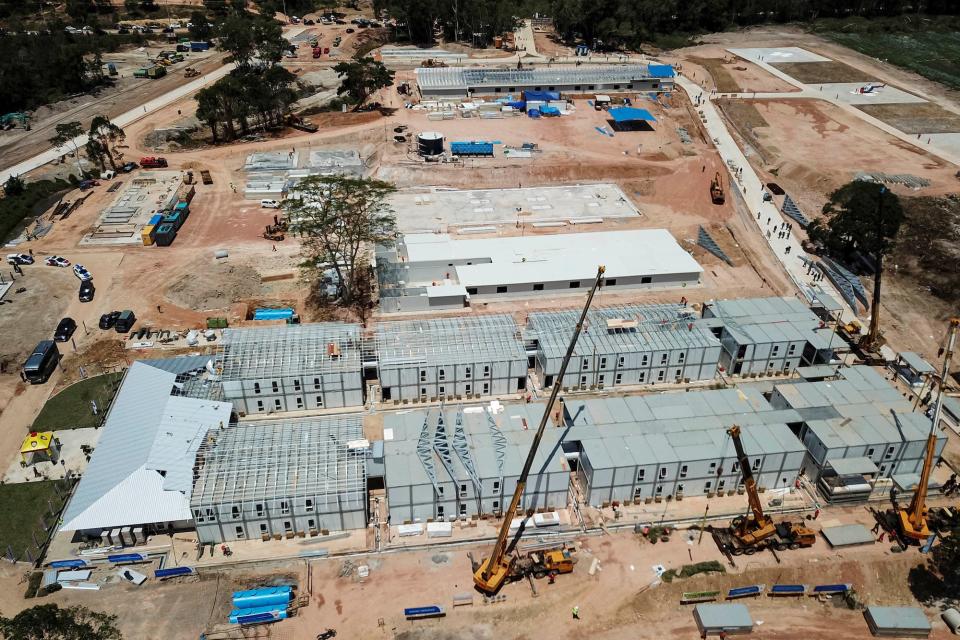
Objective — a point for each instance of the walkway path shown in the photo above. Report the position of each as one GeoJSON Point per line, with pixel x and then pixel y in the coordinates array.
{"type": "Point", "coordinates": [767, 217]}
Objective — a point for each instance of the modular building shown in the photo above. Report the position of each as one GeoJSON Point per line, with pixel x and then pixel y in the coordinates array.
{"type": "Point", "coordinates": [450, 358]}
{"type": "Point", "coordinates": [627, 345]}
{"type": "Point", "coordinates": [462, 82]}
{"type": "Point", "coordinates": [769, 336]}
{"type": "Point", "coordinates": [644, 448]}
{"type": "Point", "coordinates": [292, 367]}
{"type": "Point", "coordinates": [446, 463]}
{"type": "Point", "coordinates": [263, 480]}
{"type": "Point", "coordinates": [859, 416]}
{"type": "Point", "coordinates": [450, 272]}
{"type": "Point", "coordinates": [140, 474]}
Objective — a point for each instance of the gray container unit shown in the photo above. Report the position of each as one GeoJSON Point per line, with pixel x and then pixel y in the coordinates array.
{"type": "Point", "coordinates": [295, 478]}
{"type": "Point", "coordinates": [451, 358]}
{"type": "Point", "coordinates": [621, 346]}
{"type": "Point", "coordinates": [292, 367]}
{"type": "Point", "coordinates": [165, 235]}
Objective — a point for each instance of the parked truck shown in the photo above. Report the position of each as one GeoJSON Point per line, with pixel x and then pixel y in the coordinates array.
{"type": "Point", "coordinates": [153, 162]}
{"type": "Point", "coordinates": [199, 46]}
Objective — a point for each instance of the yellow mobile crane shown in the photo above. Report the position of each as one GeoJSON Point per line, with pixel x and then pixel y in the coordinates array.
{"type": "Point", "coordinates": [491, 573]}
{"type": "Point", "coordinates": [756, 531]}
{"type": "Point", "coordinates": [912, 521]}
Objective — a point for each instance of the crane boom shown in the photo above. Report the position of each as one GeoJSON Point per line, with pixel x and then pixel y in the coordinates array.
{"type": "Point", "coordinates": [749, 483]}
{"type": "Point", "coordinates": [492, 573]}
{"type": "Point", "coordinates": [913, 520]}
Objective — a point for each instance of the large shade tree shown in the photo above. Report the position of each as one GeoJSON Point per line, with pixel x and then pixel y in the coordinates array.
{"type": "Point", "coordinates": [861, 218]}
{"type": "Point", "coordinates": [50, 622]}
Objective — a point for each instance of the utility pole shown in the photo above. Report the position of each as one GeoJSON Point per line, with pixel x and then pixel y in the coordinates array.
{"type": "Point", "coordinates": [873, 335]}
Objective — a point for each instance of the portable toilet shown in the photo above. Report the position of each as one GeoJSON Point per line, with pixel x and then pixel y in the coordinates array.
{"type": "Point", "coordinates": [147, 235]}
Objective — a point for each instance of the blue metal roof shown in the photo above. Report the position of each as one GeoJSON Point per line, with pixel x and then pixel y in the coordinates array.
{"type": "Point", "coordinates": [660, 71]}
{"type": "Point", "coordinates": [630, 114]}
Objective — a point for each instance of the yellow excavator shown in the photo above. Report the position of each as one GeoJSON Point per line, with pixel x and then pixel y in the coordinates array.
{"type": "Point", "coordinates": [490, 574]}
{"type": "Point", "coordinates": [757, 531]}
{"type": "Point", "coordinates": [912, 521]}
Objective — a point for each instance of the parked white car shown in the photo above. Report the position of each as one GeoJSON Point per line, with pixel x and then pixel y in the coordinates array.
{"type": "Point", "coordinates": [270, 204]}
{"type": "Point", "coordinates": [81, 272]}
{"type": "Point", "coordinates": [56, 261]}
{"type": "Point", "coordinates": [19, 258]}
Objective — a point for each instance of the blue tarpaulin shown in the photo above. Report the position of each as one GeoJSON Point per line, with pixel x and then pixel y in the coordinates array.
{"type": "Point", "coordinates": [660, 71]}
{"type": "Point", "coordinates": [743, 592]}
{"type": "Point", "coordinates": [67, 564]}
{"type": "Point", "coordinates": [172, 572]}
{"type": "Point", "coordinates": [272, 314]}
{"type": "Point", "coordinates": [788, 589]}
{"type": "Point", "coordinates": [550, 111]}
{"type": "Point", "coordinates": [520, 106]}
{"type": "Point", "coordinates": [430, 611]}
{"type": "Point", "coordinates": [831, 588]}
{"type": "Point", "coordinates": [533, 113]}
{"type": "Point", "coordinates": [122, 558]}
{"type": "Point", "coordinates": [544, 96]}
{"type": "Point", "coordinates": [630, 114]}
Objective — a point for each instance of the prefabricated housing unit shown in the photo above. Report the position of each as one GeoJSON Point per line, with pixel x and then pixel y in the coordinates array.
{"type": "Point", "coordinates": [768, 336]}
{"type": "Point", "coordinates": [263, 480]}
{"type": "Point", "coordinates": [626, 345]}
{"type": "Point", "coordinates": [467, 463]}
{"type": "Point", "coordinates": [676, 444]}
{"type": "Point", "coordinates": [858, 416]}
{"type": "Point", "coordinates": [450, 358]}
{"type": "Point", "coordinates": [292, 367]}
{"type": "Point", "coordinates": [460, 82]}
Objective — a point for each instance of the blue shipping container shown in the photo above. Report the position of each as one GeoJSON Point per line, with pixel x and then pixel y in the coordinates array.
{"type": "Point", "coordinates": [155, 219]}
{"type": "Point", "coordinates": [267, 596]}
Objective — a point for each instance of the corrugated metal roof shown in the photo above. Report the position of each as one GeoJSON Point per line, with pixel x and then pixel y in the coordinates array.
{"type": "Point", "coordinates": [904, 619]}
{"type": "Point", "coordinates": [147, 431]}
{"type": "Point", "coordinates": [554, 75]}
{"type": "Point", "coordinates": [915, 362]}
{"type": "Point", "coordinates": [179, 364]}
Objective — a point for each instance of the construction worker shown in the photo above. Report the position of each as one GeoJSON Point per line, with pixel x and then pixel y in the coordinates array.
{"type": "Point", "coordinates": [576, 613]}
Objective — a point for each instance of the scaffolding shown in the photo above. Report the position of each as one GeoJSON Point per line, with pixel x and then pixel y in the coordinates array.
{"type": "Point", "coordinates": [448, 341]}
{"type": "Point", "coordinates": [620, 329]}
{"type": "Point", "coordinates": [289, 351]}
{"type": "Point", "coordinates": [261, 461]}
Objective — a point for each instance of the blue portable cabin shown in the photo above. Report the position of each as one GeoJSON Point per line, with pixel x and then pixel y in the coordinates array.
{"type": "Point", "coordinates": [165, 234]}
{"type": "Point", "coordinates": [476, 149]}
{"type": "Point", "coordinates": [155, 220]}
{"type": "Point", "coordinates": [183, 207]}
{"type": "Point", "coordinates": [174, 218]}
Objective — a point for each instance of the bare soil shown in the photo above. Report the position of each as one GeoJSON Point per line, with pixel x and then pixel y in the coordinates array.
{"type": "Point", "coordinates": [214, 286]}
{"type": "Point", "coordinates": [718, 70]}
{"type": "Point", "coordinates": [915, 118]}
{"type": "Point", "coordinates": [823, 72]}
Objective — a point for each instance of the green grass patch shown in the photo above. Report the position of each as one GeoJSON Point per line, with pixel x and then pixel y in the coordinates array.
{"type": "Point", "coordinates": [929, 46]}
{"type": "Point", "coordinates": [70, 409]}
{"type": "Point", "coordinates": [690, 570]}
{"type": "Point", "coordinates": [35, 198]}
{"type": "Point", "coordinates": [22, 506]}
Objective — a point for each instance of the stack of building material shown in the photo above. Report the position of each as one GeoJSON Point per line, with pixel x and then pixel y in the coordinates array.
{"type": "Point", "coordinates": [897, 622]}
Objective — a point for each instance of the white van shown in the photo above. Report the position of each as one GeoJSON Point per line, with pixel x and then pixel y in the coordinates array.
{"type": "Point", "coordinates": [270, 204]}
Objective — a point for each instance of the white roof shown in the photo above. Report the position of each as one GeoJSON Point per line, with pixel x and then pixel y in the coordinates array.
{"type": "Point", "coordinates": [554, 258]}
{"type": "Point", "coordinates": [142, 469]}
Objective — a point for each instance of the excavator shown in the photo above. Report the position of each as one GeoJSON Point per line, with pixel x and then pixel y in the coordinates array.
{"type": "Point", "coordinates": [716, 189]}
{"type": "Point", "coordinates": [912, 521]}
{"type": "Point", "coordinates": [757, 531]}
{"type": "Point", "coordinates": [490, 574]}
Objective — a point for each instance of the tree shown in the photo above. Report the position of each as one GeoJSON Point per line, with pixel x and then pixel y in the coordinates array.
{"type": "Point", "coordinates": [945, 561]}
{"type": "Point", "coordinates": [14, 186]}
{"type": "Point", "coordinates": [66, 136]}
{"type": "Point", "coordinates": [861, 218]}
{"type": "Point", "coordinates": [200, 29]}
{"type": "Point", "coordinates": [50, 622]}
{"type": "Point", "coordinates": [341, 218]}
{"type": "Point", "coordinates": [102, 140]}
{"type": "Point", "coordinates": [248, 36]}
{"type": "Point", "coordinates": [360, 78]}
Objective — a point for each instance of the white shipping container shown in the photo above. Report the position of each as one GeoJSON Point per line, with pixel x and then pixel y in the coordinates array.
{"type": "Point", "coordinates": [405, 530]}
{"type": "Point", "coordinates": [551, 519]}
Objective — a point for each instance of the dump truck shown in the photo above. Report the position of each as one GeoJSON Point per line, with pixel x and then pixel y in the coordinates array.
{"type": "Point", "coordinates": [190, 72]}
{"type": "Point", "coordinates": [716, 189]}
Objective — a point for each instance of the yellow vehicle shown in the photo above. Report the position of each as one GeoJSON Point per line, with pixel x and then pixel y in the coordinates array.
{"type": "Point", "coordinates": [490, 574]}
{"type": "Point", "coordinates": [912, 521]}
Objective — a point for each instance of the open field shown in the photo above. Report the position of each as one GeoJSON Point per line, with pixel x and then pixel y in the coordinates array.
{"type": "Point", "coordinates": [23, 505]}
{"type": "Point", "coordinates": [934, 54]}
{"type": "Point", "coordinates": [71, 408]}
{"type": "Point", "coordinates": [722, 79]}
{"type": "Point", "coordinates": [915, 118]}
{"type": "Point", "coordinates": [823, 72]}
